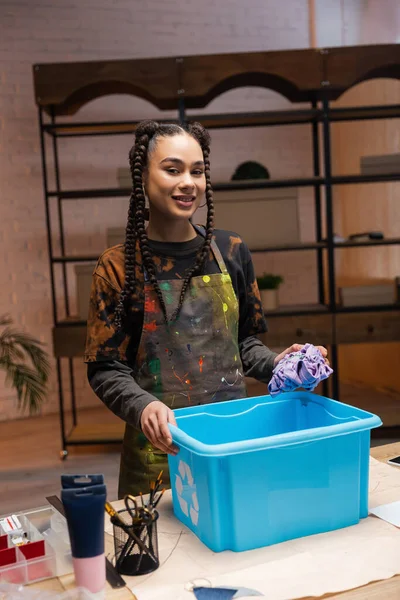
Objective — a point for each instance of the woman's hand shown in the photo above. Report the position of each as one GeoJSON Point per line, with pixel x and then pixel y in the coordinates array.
{"type": "Point", "coordinates": [296, 348]}
{"type": "Point", "coordinates": [154, 423]}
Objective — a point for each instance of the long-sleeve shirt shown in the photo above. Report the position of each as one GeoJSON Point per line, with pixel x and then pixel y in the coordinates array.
{"type": "Point", "coordinates": [111, 355]}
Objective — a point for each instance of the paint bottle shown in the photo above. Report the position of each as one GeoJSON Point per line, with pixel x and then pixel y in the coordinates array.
{"type": "Point", "coordinates": [84, 511]}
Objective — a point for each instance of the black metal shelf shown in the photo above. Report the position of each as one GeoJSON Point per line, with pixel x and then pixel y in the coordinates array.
{"type": "Point", "coordinates": [212, 121]}
{"type": "Point", "coordinates": [290, 247]}
{"type": "Point", "coordinates": [71, 322]}
{"type": "Point", "coordinates": [230, 120]}
{"type": "Point", "coordinates": [74, 259]}
{"type": "Point", "coordinates": [261, 184]}
{"type": "Point", "coordinates": [369, 308]}
{"type": "Point", "coordinates": [92, 434]}
{"type": "Point", "coordinates": [283, 248]}
{"type": "Point", "coordinates": [91, 193]}
{"type": "Point", "coordinates": [315, 309]}
{"type": "Point", "coordinates": [253, 184]}
{"type": "Point", "coordinates": [282, 311]}
{"type": "Point", "coordinates": [365, 113]}
{"type": "Point", "coordinates": [348, 179]}
{"type": "Point", "coordinates": [358, 244]}
{"type": "Point", "coordinates": [324, 245]}
{"type": "Point", "coordinates": [320, 116]}
{"type": "Point", "coordinates": [298, 310]}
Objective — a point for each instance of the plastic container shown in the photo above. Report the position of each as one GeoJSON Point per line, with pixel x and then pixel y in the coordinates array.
{"type": "Point", "coordinates": [259, 471]}
{"type": "Point", "coordinates": [48, 553]}
{"type": "Point", "coordinates": [17, 592]}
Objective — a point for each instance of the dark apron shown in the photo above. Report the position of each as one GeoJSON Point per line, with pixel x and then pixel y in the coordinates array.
{"type": "Point", "coordinates": [193, 361]}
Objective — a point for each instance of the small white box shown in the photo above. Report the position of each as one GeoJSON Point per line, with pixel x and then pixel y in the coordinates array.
{"type": "Point", "coordinates": [368, 295]}
{"type": "Point", "coordinates": [262, 217]}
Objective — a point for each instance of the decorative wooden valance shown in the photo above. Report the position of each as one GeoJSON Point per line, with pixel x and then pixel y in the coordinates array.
{"type": "Point", "coordinates": [299, 75]}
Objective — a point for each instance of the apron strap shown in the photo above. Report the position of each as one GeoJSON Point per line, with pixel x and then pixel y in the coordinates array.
{"type": "Point", "coordinates": [214, 248]}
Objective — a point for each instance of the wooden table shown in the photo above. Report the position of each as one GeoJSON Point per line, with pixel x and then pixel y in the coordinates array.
{"type": "Point", "coordinates": [388, 589]}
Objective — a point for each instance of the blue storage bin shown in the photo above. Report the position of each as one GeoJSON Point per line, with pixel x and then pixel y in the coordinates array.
{"type": "Point", "coordinates": [259, 471]}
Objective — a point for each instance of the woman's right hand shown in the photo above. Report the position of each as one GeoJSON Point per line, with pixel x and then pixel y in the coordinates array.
{"type": "Point", "coordinates": [154, 423]}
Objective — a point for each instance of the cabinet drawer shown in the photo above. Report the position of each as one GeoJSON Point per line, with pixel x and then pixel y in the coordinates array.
{"type": "Point", "coordinates": [368, 327]}
{"type": "Point", "coordinates": [283, 331]}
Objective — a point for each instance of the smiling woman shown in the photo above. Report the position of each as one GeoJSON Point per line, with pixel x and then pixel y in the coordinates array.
{"type": "Point", "coordinates": [174, 312]}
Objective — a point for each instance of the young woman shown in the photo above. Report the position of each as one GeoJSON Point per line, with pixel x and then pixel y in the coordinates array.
{"type": "Point", "coordinates": [174, 312]}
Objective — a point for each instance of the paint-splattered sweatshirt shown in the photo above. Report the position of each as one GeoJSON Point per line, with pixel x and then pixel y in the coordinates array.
{"type": "Point", "coordinates": [111, 355]}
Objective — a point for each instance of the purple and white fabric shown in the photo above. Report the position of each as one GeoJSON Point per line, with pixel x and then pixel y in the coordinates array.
{"type": "Point", "coordinates": [305, 368]}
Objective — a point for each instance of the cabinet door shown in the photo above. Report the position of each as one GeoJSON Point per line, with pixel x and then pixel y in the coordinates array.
{"type": "Point", "coordinates": [283, 331]}
{"type": "Point", "coordinates": [364, 327]}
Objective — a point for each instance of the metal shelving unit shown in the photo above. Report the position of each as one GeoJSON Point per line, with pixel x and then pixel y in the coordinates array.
{"type": "Point", "coordinates": [61, 89]}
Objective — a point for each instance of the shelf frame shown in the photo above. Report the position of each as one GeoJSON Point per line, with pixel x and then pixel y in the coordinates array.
{"type": "Point", "coordinates": [231, 120]}
{"type": "Point", "coordinates": [182, 86]}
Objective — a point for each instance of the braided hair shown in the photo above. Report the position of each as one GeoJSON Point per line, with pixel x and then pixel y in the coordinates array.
{"type": "Point", "coordinates": [146, 135]}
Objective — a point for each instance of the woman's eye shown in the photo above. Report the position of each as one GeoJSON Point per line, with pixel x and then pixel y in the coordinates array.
{"type": "Point", "coordinates": [172, 170]}
{"type": "Point", "coordinates": [198, 172]}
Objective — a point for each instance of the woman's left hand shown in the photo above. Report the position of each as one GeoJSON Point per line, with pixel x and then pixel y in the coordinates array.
{"type": "Point", "coordinates": [296, 348]}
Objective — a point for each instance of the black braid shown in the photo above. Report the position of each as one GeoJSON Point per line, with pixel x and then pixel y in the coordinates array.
{"type": "Point", "coordinates": [147, 133]}
{"type": "Point", "coordinates": [148, 262]}
{"type": "Point", "coordinates": [203, 254]}
{"type": "Point", "coordinates": [130, 247]}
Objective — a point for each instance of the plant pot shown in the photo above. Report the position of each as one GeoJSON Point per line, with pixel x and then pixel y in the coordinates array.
{"type": "Point", "coordinates": [269, 299]}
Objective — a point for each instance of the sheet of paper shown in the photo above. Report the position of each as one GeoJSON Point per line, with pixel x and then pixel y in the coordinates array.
{"type": "Point", "coordinates": [388, 512]}
{"type": "Point", "coordinates": [318, 565]}
{"type": "Point", "coordinates": [384, 483]}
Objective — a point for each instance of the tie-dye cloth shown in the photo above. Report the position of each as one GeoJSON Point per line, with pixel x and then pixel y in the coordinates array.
{"type": "Point", "coordinates": [305, 368]}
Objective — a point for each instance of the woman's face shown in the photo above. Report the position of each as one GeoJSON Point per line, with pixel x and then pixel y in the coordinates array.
{"type": "Point", "coordinates": [174, 180]}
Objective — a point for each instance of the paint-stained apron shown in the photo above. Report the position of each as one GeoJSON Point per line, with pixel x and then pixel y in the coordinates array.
{"type": "Point", "coordinates": [193, 361]}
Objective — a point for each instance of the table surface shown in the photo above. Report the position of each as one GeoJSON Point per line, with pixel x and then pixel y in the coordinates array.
{"type": "Point", "coordinates": [388, 589]}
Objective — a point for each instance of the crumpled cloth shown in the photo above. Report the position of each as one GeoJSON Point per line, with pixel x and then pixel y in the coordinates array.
{"type": "Point", "coordinates": [305, 368]}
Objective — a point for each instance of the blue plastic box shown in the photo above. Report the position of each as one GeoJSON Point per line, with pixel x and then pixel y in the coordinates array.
{"type": "Point", "coordinates": [259, 471]}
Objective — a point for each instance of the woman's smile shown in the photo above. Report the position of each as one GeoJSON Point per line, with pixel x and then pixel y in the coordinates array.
{"type": "Point", "coordinates": [184, 202]}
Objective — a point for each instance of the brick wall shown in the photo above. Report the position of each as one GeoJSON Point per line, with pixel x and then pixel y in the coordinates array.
{"type": "Point", "coordinates": [35, 31]}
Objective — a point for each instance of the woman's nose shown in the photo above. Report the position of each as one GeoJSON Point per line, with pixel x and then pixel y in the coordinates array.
{"type": "Point", "coordinates": [186, 181]}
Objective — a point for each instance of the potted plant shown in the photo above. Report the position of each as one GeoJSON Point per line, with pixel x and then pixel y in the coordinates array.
{"type": "Point", "coordinates": [268, 284]}
{"type": "Point", "coordinates": [26, 366]}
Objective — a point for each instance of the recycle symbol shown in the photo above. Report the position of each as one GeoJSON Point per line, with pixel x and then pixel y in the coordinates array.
{"type": "Point", "coordinates": [187, 493]}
